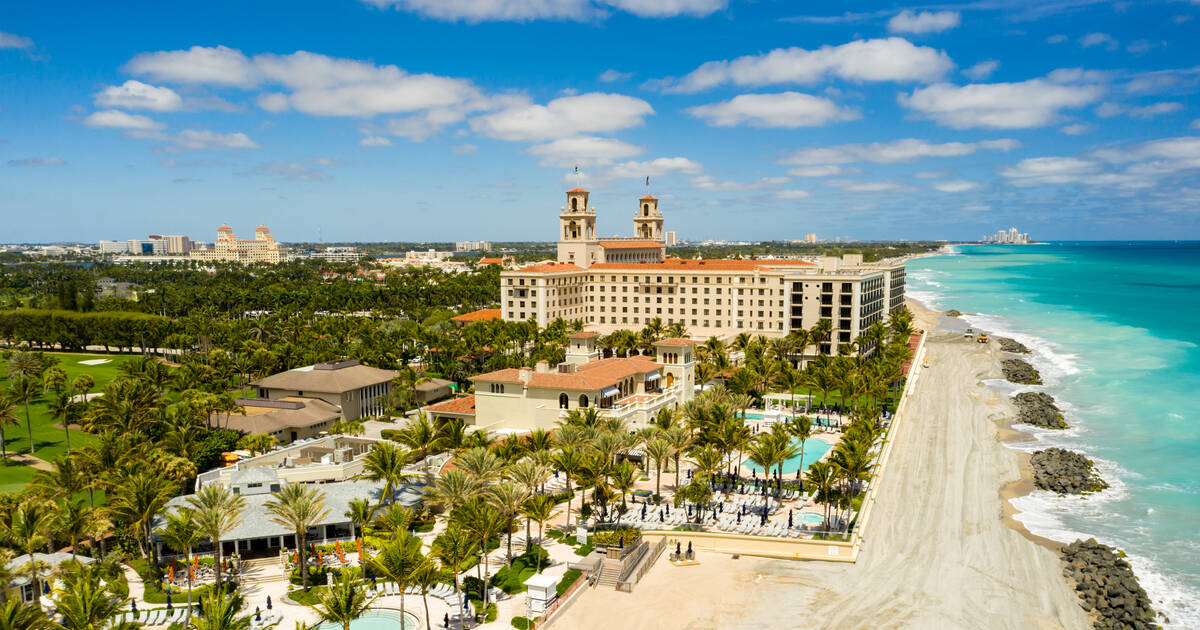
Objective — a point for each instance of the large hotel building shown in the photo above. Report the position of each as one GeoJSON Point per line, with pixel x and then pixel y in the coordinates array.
{"type": "Point", "coordinates": [229, 248]}
{"type": "Point", "coordinates": [611, 284]}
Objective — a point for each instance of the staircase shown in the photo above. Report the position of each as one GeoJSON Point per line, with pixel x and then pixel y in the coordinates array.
{"type": "Point", "coordinates": [262, 571]}
{"type": "Point", "coordinates": [610, 573]}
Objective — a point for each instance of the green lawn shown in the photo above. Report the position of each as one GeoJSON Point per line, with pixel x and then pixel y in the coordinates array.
{"type": "Point", "coordinates": [50, 441]}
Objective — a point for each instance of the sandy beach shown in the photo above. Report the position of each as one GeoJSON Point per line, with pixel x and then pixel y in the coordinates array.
{"type": "Point", "coordinates": [940, 550]}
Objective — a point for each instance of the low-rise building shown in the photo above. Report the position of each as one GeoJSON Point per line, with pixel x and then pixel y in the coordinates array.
{"type": "Point", "coordinates": [286, 419]}
{"type": "Point", "coordinates": [359, 391]}
{"type": "Point", "coordinates": [631, 388]}
{"type": "Point", "coordinates": [473, 246]}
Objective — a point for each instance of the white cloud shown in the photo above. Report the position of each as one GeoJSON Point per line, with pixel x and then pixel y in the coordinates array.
{"type": "Point", "coordinates": [1155, 109]}
{"type": "Point", "coordinates": [585, 150]}
{"type": "Point", "coordinates": [929, 174]}
{"type": "Point", "coordinates": [866, 187]}
{"type": "Point", "coordinates": [204, 139]}
{"type": "Point", "coordinates": [273, 102]}
{"type": "Point", "coordinates": [595, 112]}
{"type": "Point", "coordinates": [1050, 170]}
{"type": "Point", "coordinates": [113, 119]}
{"type": "Point", "coordinates": [198, 64]}
{"type": "Point", "coordinates": [374, 141]}
{"type": "Point", "coordinates": [1108, 110]}
{"type": "Point", "coordinates": [419, 127]}
{"type": "Point", "coordinates": [908, 21]}
{"type": "Point", "coordinates": [982, 70]}
{"type": "Point", "coordinates": [1076, 130]}
{"type": "Point", "coordinates": [1195, 124]}
{"type": "Point", "coordinates": [819, 170]}
{"type": "Point", "coordinates": [786, 195]}
{"type": "Point", "coordinates": [1056, 39]}
{"type": "Point", "coordinates": [786, 109]}
{"type": "Point", "coordinates": [1032, 103]}
{"type": "Point", "coordinates": [906, 150]}
{"type": "Point", "coordinates": [955, 186]}
{"type": "Point", "coordinates": [653, 168]}
{"type": "Point", "coordinates": [137, 95]}
{"type": "Point", "coordinates": [708, 182]}
{"type": "Point", "coordinates": [293, 171]}
{"type": "Point", "coordinates": [463, 149]}
{"type": "Point", "coordinates": [524, 10]}
{"type": "Point", "coordinates": [9, 40]}
{"type": "Point", "coordinates": [612, 76]}
{"type": "Point", "coordinates": [890, 59]}
{"type": "Point", "coordinates": [1098, 39]}
{"type": "Point", "coordinates": [37, 161]}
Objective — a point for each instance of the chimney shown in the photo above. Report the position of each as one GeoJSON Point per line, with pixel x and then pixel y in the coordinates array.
{"type": "Point", "coordinates": [543, 367]}
{"type": "Point", "coordinates": [525, 374]}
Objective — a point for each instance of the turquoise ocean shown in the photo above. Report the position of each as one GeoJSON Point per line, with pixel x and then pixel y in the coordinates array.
{"type": "Point", "coordinates": [1115, 332]}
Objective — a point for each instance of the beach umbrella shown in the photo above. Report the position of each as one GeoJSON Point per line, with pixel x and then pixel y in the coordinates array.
{"type": "Point", "coordinates": [677, 548]}
{"type": "Point", "coordinates": [257, 613]}
{"type": "Point", "coordinates": [373, 581]}
{"type": "Point", "coordinates": [643, 511]}
{"type": "Point", "coordinates": [739, 520]}
{"type": "Point", "coordinates": [45, 587]}
{"type": "Point", "coordinates": [268, 602]}
{"type": "Point", "coordinates": [689, 547]}
{"type": "Point", "coordinates": [133, 606]}
{"type": "Point", "coordinates": [689, 510]}
{"type": "Point", "coordinates": [754, 474]}
{"type": "Point", "coordinates": [168, 601]}
{"type": "Point", "coordinates": [446, 620]}
{"type": "Point", "coordinates": [789, 519]}
{"type": "Point", "coordinates": [660, 516]}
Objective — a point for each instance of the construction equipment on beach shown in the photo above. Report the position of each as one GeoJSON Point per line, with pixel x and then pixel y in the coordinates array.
{"type": "Point", "coordinates": [982, 338]}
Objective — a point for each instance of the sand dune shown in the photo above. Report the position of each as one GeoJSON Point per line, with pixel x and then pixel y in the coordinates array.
{"type": "Point", "coordinates": [937, 552]}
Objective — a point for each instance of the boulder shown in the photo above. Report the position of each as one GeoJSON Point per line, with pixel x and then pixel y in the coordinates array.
{"type": "Point", "coordinates": [952, 313]}
{"type": "Point", "coordinates": [1019, 371]}
{"type": "Point", "coordinates": [1107, 586]}
{"type": "Point", "coordinates": [1011, 345]}
{"type": "Point", "coordinates": [1067, 472]}
{"type": "Point", "coordinates": [1038, 409]}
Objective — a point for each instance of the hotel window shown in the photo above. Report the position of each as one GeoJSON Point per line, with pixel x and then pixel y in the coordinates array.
{"type": "Point", "coordinates": [563, 401]}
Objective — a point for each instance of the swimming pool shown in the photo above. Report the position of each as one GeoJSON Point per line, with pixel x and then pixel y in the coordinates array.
{"type": "Point", "coordinates": [755, 415]}
{"type": "Point", "coordinates": [809, 518]}
{"type": "Point", "coordinates": [813, 450]}
{"type": "Point", "coordinates": [380, 619]}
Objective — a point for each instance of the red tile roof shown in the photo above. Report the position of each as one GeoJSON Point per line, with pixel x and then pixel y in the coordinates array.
{"type": "Point", "coordinates": [716, 264]}
{"type": "Point", "coordinates": [463, 406]}
{"type": "Point", "coordinates": [639, 244]}
{"type": "Point", "coordinates": [648, 197]}
{"type": "Point", "coordinates": [675, 341]}
{"type": "Point", "coordinates": [491, 261]}
{"type": "Point", "coordinates": [588, 377]}
{"type": "Point", "coordinates": [576, 190]}
{"type": "Point", "coordinates": [549, 267]}
{"type": "Point", "coordinates": [478, 316]}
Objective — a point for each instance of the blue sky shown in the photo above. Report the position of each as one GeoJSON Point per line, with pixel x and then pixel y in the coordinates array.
{"type": "Point", "coordinates": [464, 119]}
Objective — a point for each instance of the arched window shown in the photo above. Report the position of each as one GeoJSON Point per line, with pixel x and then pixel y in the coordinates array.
{"type": "Point", "coordinates": [574, 204]}
{"type": "Point", "coordinates": [645, 209]}
{"type": "Point", "coordinates": [583, 401]}
{"type": "Point", "coordinates": [670, 380]}
{"type": "Point", "coordinates": [563, 401]}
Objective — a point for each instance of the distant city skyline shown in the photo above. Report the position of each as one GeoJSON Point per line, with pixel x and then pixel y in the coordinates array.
{"type": "Point", "coordinates": [416, 121]}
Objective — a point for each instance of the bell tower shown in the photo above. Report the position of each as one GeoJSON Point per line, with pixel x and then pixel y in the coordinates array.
{"type": "Point", "coordinates": [648, 220]}
{"type": "Point", "coordinates": [577, 243]}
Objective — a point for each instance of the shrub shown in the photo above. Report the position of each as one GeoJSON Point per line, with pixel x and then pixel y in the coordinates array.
{"type": "Point", "coordinates": [520, 623]}
{"type": "Point", "coordinates": [567, 580]}
{"type": "Point", "coordinates": [585, 550]}
{"type": "Point", "coordinates": [627, 536]}
{"type": "Point", "coordinates": [511, 579]}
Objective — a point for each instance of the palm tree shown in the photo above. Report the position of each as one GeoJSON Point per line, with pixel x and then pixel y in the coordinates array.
{"type": "Point", "coordinates": [217, 512]}
{"type": "Point", "coordinates": [85, 602]}
{"type": "Point", "coordinates": [679, 439]}
{"type": "Point", "coordinates": [658, 450]}
{"type": "Point", "coordinates": [481, 464]}
{"type": "Point", "coordinates": [453, 489]}
{"type": "Point", "coordinates": [708, 460]}
{"type": "Point", "coordinates": [426, 576]}
{"type": "Point", "coordinates": [221, 611]}
{"type": "Point", "coordinates": [824, 477]}
{"type": "Point", "coordinates": [507, 498]}
{"type": "Point", "coordinates": [360, 512]}
{"type": "Point", "coordinates": [182, 533]}
{"type": "Point", "coordinates": [394, 520]}
{"type": "Point", "coordinates": [345, 601]}
{"type": "Point", "coordinates": [8, 415]}
{"type": "Point", "coordinates": [62, 407]}
{"type": "Point", "coordinates": [452, 548]}
{"type": "Point", "coordinates": [299, 507]}
{"type": "Point", "coordinates": [385, 461]}
{"type": "Point", "coordinates": [22, 390]}
{"type": "Point", "coordinates": [539, 508]}
{"type": "Point", "coordinates": [571, 462]}
{"type": "Point", "coordinates": [765, 453]}
{"type": "Point", "coordinates": [18, 615]}
{"type": "Point", "coordinates": [396, 561]}
{"type": "Point", "coordinates": [77, 521]}
{"type": "Point", "coordinates": [422, 436]}
{"type": "Point", "coordinates": [484, 522]}
{"type": "Point", "coordinates": [139, 499]}
{"type": "Point", "coordinates": [28, 528]}
{"type": "Point", "coordinates": [624, 477]}
{"type": "Point", "coordinates": [801, 428]}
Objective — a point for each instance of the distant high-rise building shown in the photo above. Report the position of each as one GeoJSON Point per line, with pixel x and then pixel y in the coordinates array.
{"type": "Point", "coordinates": [811, 237]}
{"type": "Point", "coordinates": [114, 247]}
{"type": "Point", "coordinates": [670, 239]}
{"type": "Point", "coordinates": [1008, 237]}
{"type": "Point", "coordinates": [178, 244]}
{"type": "Point", "coordinates": [264, 247]}
{"type": "Point", "coordinates": [473, 246]}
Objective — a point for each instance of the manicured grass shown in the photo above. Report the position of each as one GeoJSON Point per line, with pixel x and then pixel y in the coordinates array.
{"type": "Point", "coordinates": [50, 441]}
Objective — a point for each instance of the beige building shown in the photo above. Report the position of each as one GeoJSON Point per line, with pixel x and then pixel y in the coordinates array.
{"type": "Point", "coordinates": [286, 419]}
{"type": "Point", "coordinates": [624, 283]}
{"type": "Point", "coordinates": [262, 249]}
{"type": "Point", "coordinates": [632, 388]}
{"type": "Point", "coordinates": [357, 390]}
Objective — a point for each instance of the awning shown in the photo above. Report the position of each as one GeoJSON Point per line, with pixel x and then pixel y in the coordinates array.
{"type": "Point", "coordinates": [653, 376]}
{"type": "Point", "coordinates": [609, 392]}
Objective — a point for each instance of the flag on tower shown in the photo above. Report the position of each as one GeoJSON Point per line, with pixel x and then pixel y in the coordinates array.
{"type": "Point", "coordinates": [576, 169]}
{"type": "Point", "coordinates": [647, 180]}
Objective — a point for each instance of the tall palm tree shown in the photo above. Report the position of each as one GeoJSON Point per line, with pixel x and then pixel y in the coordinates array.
{"type": "Point", "coordinates": [396, 561]}
{"type": "Point", "coordinates": [394, 520]}
{"type": "Point", "coordinates": [801, 428]}
{"type": "Point", "coordinates": [77, 521]}
{"type": "Point", "coordinates": [361, 513]}
{"type": "Point", "coordinates": [62, 408]}
{"type": "Point", "coordinates": [426, 576]}
{"type": "Point", "coordinates": [385, 462]}
{"type": "Point", "coordinates": [28, 528]}
{"type": "Point", "coordinates": [452, 548]}
{"type": "Point", "coordinates": [484, 522]}
{"type": "Point", "coordinates": [453, 489]}
{"type": "Point", "coordinates": [138, 500]}
{"type": "Point", "coordinates": [824, 478]}
{"type": "Point", "coordinates": [85, 601]}
{"type": "Point", "coordinates": [221, 611]}
{"type": "Point", "coordinates": [182, 534]}
{"type": "Point", "coordinates": [624, 477]}
{"type": "Point", "coordinates": [539, 508]}
{"type": "Point", "coordinates": [679, 439]}
{"type": "Point", "coordinates": [507, 498]}
{"type": "Point", "coordinates": [299, 507]}
{"type": "Point", "coordinates": [217, 512]}
{"type": "Point", "coordinates": [345, 601]}
{"type": "Point", "coordinates": [658, 450]}
{"type": "Point", "coordinates": [481, 464]}
{"type": "Point", "coordinates": [423, 438]}
{"type": "Point", "coordinates": [8, 415]}
{"type": "Point", "coordinates": [23, 390]}
{"type": "Point", "coordinates": [570, 462]}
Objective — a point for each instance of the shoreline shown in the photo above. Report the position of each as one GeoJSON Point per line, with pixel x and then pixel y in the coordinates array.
{"type": "Point", "coordinates": [926, 318]}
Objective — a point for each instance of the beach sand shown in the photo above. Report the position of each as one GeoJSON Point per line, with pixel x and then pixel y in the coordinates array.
{"type": "Point", "coordinates": [939, 551]}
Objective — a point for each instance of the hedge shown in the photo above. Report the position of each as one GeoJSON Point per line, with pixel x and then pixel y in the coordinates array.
{"type": "Point", "coordinates": [567, 580]}
{"type": "Point", "coordinates": [73, 330]}
{"type": "Point", "coordinates": [511, 579]}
